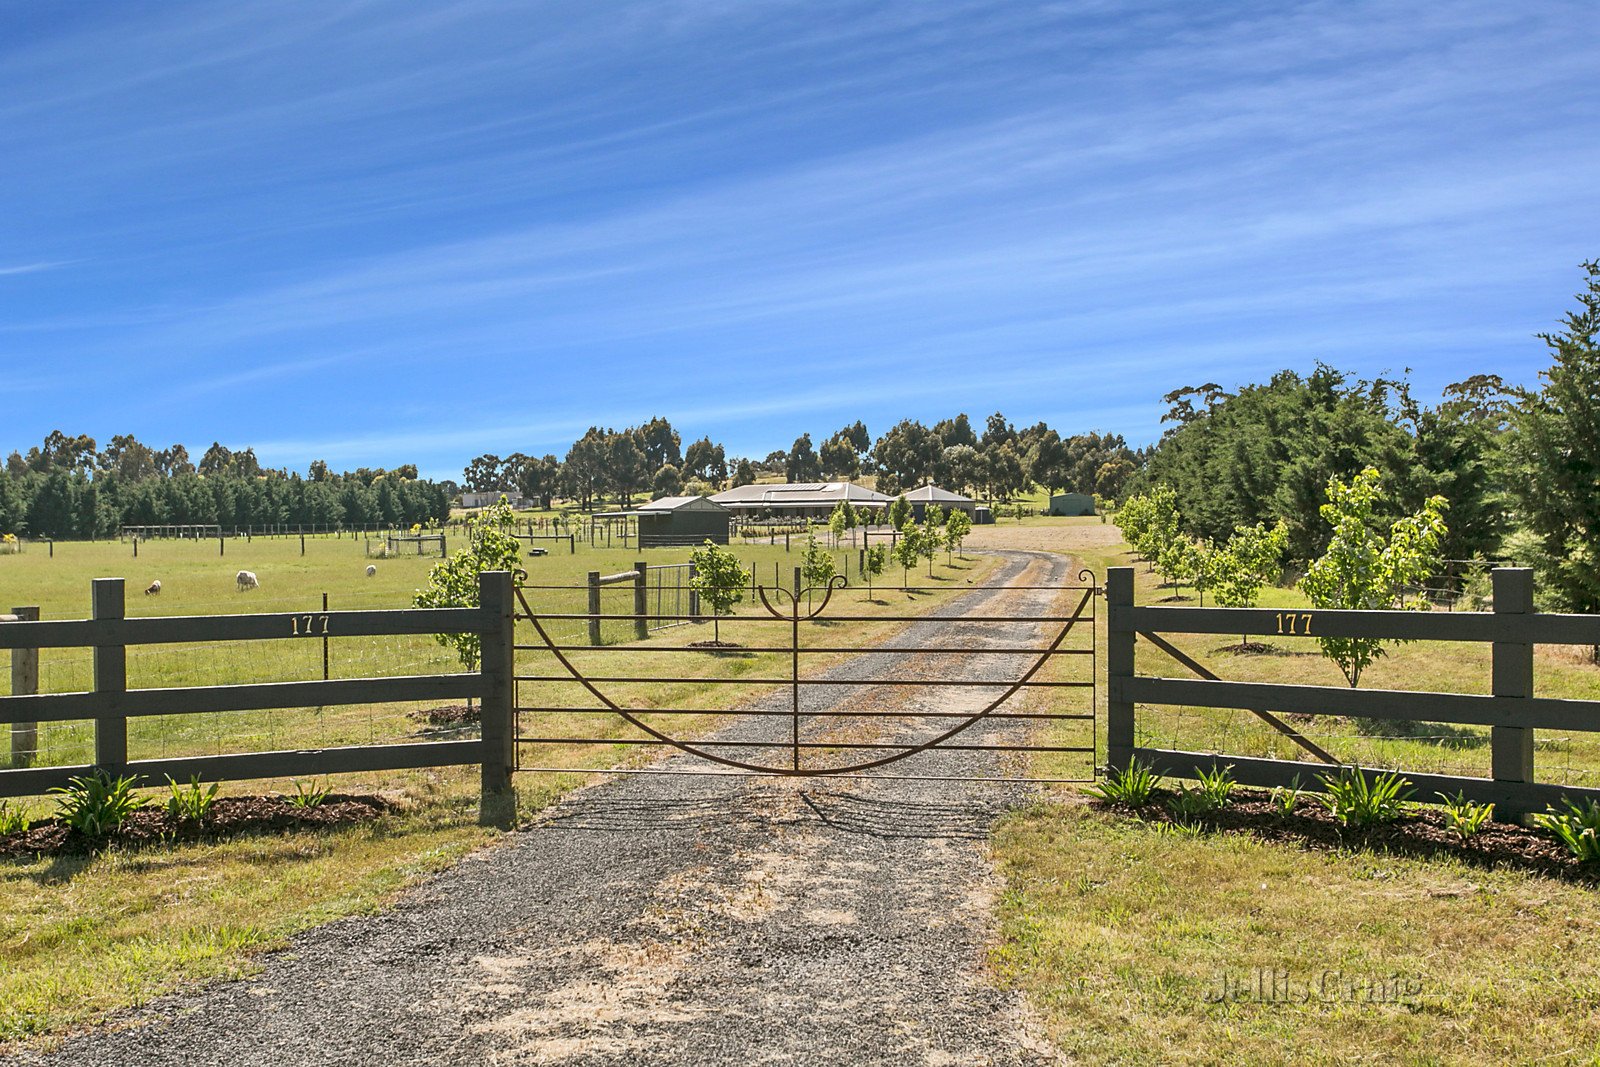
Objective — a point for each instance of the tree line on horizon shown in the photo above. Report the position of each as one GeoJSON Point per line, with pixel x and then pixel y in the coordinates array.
{"type": "Point", "coordinates": [68, 487]}
{"type": "Point", "coordinates": [1000, 463]}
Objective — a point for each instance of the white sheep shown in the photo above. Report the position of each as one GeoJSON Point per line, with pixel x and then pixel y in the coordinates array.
{"type": "Point", "coordinates": [247, 580]}
{"type": "Point", "coordinates": [154, 588]}
{"type": "Point", "coordinates": [372, 570]}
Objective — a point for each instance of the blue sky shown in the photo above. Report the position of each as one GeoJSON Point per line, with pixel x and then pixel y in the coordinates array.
{"type": "Point", "coordinates": [379, 233]}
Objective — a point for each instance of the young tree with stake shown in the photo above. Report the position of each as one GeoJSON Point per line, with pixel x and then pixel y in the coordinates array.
{"type": "Point", "coordinates": [873, 563]}
{"type": "Point", "coordinates": [907, 550]}
{"type": "Point", "coordinates": [720, 579]}
{"type": "Point", "coordinates": [956, 529]}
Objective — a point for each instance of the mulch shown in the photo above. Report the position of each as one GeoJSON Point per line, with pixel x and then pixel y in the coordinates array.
{"type": "Point", "coordinates": [228, 817]}
{"type": "Point", "coordinates": [1423, 834]}
{"type": "Point", "coordinates": [448, 715]}
{"type": "Point", "coordinates": [713, 644]}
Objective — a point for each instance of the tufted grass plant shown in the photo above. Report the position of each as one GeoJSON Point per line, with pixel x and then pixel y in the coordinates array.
{"type": "Point", "coordinates": [1578, 828]}
{"type": "Point", "coordinates": [1134, 785]}
{"type": "Point", "coordinates": [96, 804]}
{"type": "Point", "coordinates": [1360, 802]}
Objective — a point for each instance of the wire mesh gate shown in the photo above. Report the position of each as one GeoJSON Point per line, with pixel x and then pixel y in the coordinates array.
{"type": "Point", "coordinates": [998, 684]}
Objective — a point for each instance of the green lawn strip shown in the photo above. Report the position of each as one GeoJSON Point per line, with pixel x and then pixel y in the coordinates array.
{"type": "Point", "coordinates": [1124, 935]}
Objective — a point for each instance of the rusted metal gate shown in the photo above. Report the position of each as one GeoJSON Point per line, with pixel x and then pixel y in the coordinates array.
{"type": "Point", "coordinates": [820, 689]}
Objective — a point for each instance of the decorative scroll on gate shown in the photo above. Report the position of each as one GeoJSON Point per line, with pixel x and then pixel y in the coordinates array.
{"type": "Point", "coordinates": [1020, 684]}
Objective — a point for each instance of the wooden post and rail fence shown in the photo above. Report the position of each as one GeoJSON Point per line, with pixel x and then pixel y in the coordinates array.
{"type": "Point", "coordinates": [110, 704]}
{"type": "Point", "coordinates": [1510, 709]}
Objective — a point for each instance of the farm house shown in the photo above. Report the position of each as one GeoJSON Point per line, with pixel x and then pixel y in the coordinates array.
{"type": "Point", "coordinates": [919, 499]}
{"type": "Point", "coordinates": [678, 520]}
{"type": "Point", "coordinates": [1071, 504]}
{"type": "Point", "coordinates": [804, 500]}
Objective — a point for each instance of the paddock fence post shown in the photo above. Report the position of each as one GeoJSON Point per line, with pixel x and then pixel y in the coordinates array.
{"type": "Point", "coordinates": [109, 603]}
{"type": "Point", "coordinates": [694, 595]}
{"type": "Point", "coordinates": [594, 607]}
{"type": "Point", "coordinates": [641, 600]}
{"type": "Point", "coordinates": [497, 802]}
{"type": "Point", "coordinates": [1511, 747]}
{"type": "Point", "coordinates": [24, 682]}
{"type": "Point", "coordinates": [1119, 667]}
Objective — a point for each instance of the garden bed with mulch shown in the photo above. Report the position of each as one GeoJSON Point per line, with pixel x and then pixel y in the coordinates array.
{"type": "Point", "coordinates": [228, 817]}
{"type": "Point", "coordinates": [1421, 834]}
{"type": "Point", "coordinates": [448, 716]}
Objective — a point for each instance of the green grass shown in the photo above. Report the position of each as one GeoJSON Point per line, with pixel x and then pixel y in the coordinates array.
{"type": "Point", "coordinates": [83, 936]}
{"type": "Point", "coordinates": [195, 581]}
{"type": "Point", "coordinates": [1121, 932]}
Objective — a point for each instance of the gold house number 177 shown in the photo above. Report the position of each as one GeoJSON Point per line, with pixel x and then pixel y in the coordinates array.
{"type": "Point", "coordinates": [1286, 623]}
{"type": "Point", "coordinates": [306, 625]}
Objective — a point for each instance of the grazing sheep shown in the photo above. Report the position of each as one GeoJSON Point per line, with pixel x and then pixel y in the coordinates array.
{"type": "Point", "coordinates": [372, 570]}
{"type": "Point", "coordinates": [247, 580]}
{"type": "Point", "coordinates": [154, 588]}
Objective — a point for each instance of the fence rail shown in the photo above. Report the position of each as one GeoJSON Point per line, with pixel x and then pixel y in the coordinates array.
{"type": "Point", "coordinates": [111, 704]}
{"type": "Point", "coordinates": [1511, 711]}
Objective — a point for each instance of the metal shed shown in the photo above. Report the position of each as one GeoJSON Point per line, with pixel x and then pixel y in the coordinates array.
{"type": "Point", "coordinates": [679, 520]}
{"type": "Point", "coordinates": [1072, 504]}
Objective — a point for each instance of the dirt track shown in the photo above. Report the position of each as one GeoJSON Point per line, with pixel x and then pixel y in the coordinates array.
{"type": "Point", "coordinates": [671, 920]}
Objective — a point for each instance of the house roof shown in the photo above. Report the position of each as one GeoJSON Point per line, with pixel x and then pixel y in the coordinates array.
{"type": "Point", "coordinates": [932, 494]}
{"type": "Point", "coordinates": [798, 494]}
{"type": "Point", "coordinates": [666, 505]}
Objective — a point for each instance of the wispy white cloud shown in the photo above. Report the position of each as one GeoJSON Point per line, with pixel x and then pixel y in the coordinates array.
{"type": "Point", "coordinates": [32, 268]}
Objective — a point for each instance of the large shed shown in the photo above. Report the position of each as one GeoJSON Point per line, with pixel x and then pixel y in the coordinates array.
{"type": "Point", "coordinates": [679, 520]}
{"type": "Point", "coordinates": [1072, 504]}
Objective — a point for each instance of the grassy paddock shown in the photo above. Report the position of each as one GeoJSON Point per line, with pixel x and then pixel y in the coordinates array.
{"type": "Point", "coordinates": [82, 936]}
{"type": "Point", "coordinates": [1125, 935]}
{"type": "Point", "coordinates": [195, 581]}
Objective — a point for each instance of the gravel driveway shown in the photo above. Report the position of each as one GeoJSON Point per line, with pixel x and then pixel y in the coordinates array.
{"type": "Point", "coordinates": [670, 920]}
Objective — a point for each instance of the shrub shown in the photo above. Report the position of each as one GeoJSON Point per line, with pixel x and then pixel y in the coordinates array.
{"type": "Point", "coordinates": [12, 820]}
{"type": "Point", "coordinates": [1464, 818]}
{"type": "Point", "coordinates": [190, 803]}
{"type": "Point", "coordinates": [1360, 802]}
{"type": "Point", "coordinates": [1133, 786]}
{"type": "Point", "coordinates": [96, 804]}
{"type": "Point", "coordinates": [1578, 828]}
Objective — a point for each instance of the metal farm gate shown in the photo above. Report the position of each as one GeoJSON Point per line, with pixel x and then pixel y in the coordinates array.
{"type": "Point", "coordinates": [996, 685]}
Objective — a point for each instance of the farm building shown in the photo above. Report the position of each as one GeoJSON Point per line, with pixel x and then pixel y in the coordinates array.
{"type": "Point", "coordinates": [982, 516]}
{"type": "Point", "coordinates": [812, 500]}
{"type": "Point", "coordinates": [1072, 504]}
{"type": "Point", "coordinates": [919, 499]}
{"type": "Point", "coordinates": [483, 500]}
{"type": "Point", "coordinates": [677, 520]}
